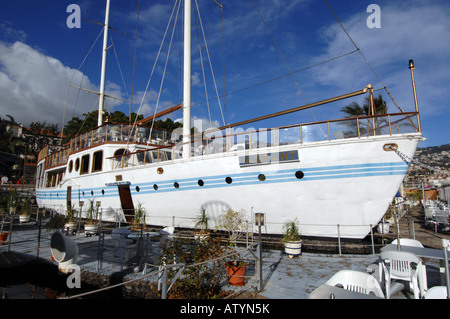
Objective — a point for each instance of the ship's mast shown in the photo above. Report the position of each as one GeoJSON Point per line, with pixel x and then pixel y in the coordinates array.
{"type": "Point", "coordinates": [187, 80]}
{"type": "Point", "coordinates": [103, 71]}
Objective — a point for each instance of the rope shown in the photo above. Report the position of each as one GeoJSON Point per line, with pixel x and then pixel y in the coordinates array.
{"type": "Point", "coordinates": [363, 56]}
{"type": "Point", "coordinates": [209, 59]}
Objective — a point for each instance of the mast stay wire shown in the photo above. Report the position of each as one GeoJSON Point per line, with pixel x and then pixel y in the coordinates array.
{"type": "Point", "coordinates": [285, 62]}
{"type": "Point", "coordinates": [210, 63]}
{"type": "Point", "coordinates": [203, 72]}
{"type": "Point", "coordinates": [81, 81]}
{"type": "Point", "coordinates": [364, 57]}
{"type": "Point", "coordinates": [154, 65]}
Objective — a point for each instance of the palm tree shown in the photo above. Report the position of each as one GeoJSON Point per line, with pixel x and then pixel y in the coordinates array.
{"type": "Point", "coordinates": [355, 110]}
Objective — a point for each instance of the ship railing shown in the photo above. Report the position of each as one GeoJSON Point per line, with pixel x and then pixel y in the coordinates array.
{"type": "Point", "coordinates": [110, 132]}
{"type": "Point", "coordinates": [161, 145]}
{"type": "Point", "coordinates": [230, 140]}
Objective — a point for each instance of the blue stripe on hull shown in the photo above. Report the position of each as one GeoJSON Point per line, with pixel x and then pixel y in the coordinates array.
{"type": "Point", "coordinates": [243, 179]}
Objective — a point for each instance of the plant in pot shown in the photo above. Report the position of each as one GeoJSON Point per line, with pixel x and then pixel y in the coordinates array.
{"type": "Point", "coordinates": [91, 225]}
{"type": "Point", "coordinates": [201, 225]}
{"type": "Point", "coordinates": [70, 224]}
{"type": "Point", "coordinates": [139, 217]}
{"type": "Point", "coordinates": [56, 222]}
{"type": "Point", "coordinates": [3, 233]}
{"type": "Point", "coordinates": [234, 223]}
{"type": "Point", "coordinates": [25, 213]}
{"type": "Point", "coordinates": [292, 239]}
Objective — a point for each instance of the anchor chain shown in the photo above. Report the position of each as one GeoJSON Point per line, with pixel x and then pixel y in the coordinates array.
{"type": "Point", "coordinates": [408, 160]}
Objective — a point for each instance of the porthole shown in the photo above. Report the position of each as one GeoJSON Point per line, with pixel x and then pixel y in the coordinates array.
{"type": "Point", "coordinates": [176, 185]}
{"type": "Point", "coordinates": [77, 164]}
{"type": "Point", "coordinates": [92, 193]}
{"type": "Point", "coordinates": [103, 192]}
{"type": "Point", "coordinates": [160, 170]}
{"type": "Point", "coordinates": [70, 166]}
{"type": "Point", "coordinates": [83, 193]}
{"type": "Point", "coordinates": [137, 189]}
{"type": "Point", "coordinates": [200, 182]}
{"type": "Point", "coordinates": [261, 177]}
{"type": "Point", "coordinates": [228, 180]}
{"type": "Point", "coordinates": [155, 187]}
{"type": "Point", "coordinates": [299, 174]}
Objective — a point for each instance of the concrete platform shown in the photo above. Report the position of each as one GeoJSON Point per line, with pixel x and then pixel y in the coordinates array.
{"type": "Point", "coordinates": [283, 277]}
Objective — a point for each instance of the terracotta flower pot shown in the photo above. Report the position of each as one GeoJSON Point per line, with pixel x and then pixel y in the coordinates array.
{"type": "Point", "coordinates": [236, 273]}
{"type": "Point", "coordinates": [3, 238]}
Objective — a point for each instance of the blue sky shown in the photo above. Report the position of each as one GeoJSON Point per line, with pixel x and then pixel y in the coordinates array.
{"type": "Point", "coordinates": [40, 55]}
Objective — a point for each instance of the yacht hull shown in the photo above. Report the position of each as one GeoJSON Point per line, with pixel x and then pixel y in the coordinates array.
{"type": "Point", "coordinates": [334, 188]}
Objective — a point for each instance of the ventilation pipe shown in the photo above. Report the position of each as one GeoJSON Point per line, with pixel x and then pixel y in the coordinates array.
{"type": "Point", "coordinates": [64, 251]}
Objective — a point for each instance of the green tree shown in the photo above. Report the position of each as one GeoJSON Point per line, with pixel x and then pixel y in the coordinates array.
{"type": "Point", "coordinates": [41, 134]}
{"type": "Point", "coordinates": [355, 110]}
{"type": "Point", "coordinates": [11, 142]}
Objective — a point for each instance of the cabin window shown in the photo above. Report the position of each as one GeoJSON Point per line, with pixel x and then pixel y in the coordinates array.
{"type": "Point", "coordinates": [97, 161]}
{"type": "Point", "coordinates": [84, 169]}
{"type": "Point", "coordinates": [70, 166]}
{"type": "Point", "coordinates": [77, 164]}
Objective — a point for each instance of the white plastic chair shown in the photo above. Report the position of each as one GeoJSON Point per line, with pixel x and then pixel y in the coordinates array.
{"type": "Point", "coordinates": [437, 292]}
{"type": "Point", "coordinates": [401, 265]}
{"type": "Point", "coordinates": [356, 281]}
{"type": "Point", "coordinates": [408, 242]}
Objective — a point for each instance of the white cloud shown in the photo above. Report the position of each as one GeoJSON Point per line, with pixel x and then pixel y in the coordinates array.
{"type": "Point", "coordinates": [415, 30]}
{"type": "Point", "coordinates": [35, 87]}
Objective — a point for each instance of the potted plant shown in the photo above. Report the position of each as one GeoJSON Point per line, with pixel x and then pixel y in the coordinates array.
{"type": "Point", "coordinates": [292, 239]}
{"type": "Point", "coordinates": [91, 225]}
{"type": "Point", "coordinates": [201, 225]}
{"type": "Point", "coordinates": [233, 222]}
{"type": "Point", "coordinates": [139, 217]}
{"type": "Point", "coordinates": [236, 272]}
{"type": "Point", "coordinates": [25, 214]}
{"type": "Point", "coordinates": [56, 222]}
{"type": "Point", "coordinates": [70, 224]}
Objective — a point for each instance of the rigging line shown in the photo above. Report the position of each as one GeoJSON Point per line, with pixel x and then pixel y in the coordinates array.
{"type": "Point", "coordinates": [285, 62]}
{"type": "Point", "coordinates": [120, 69]}
{"type": "Point", "coordinates": [156, 61]}
{"type": "Point", "coordinates": [165, 68]}
{"type": "Point", "coordinates": [223, 67]}
{"type": "Point", "coordinates": [85, 119]}
{"type": "Point", "coordinates": [288, 74]}
{"type": "Point", "coordinates": [363, 56]}
{"type": "Point", "coordinates": [210, 64]}
{"type": "Point", "coordinates": [203, 71]}
{"type": "Point", "coordinates": [134, 64]}
{"type": "Point", "coordinates": [81, 82]}
{"type": "Point", "coordinates": [279, 51]}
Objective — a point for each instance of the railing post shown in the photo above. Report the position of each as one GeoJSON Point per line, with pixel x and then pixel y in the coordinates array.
{"type": "Point", "coordinates": [259, 263]}
{"type": "Point", "coordinates": [164, 283]}
{"type": "Point", "coordinates": [39, 235]}
{"type": "Point", "coordinates": [339, 239]}
{"type": "Point", "coordinates": [371, 237]}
